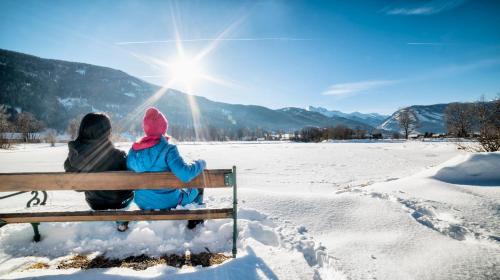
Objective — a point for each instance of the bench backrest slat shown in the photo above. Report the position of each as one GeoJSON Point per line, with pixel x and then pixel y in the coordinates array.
{"type": "Point", "coordinates": [138, 215]}
{"type": "Point", "coordinates": [120, 180]}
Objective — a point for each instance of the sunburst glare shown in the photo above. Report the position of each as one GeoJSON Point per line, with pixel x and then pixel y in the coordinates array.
{"type": "Point", "coordinates": [185, 73]}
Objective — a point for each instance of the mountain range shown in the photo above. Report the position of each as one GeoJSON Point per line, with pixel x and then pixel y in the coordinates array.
{"type": "Point", "coordinates": [57, 91]}
{"type": "Point", "coordinates": [372, 119]}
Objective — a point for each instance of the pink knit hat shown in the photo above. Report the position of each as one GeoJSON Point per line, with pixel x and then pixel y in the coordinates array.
{"type": "Point", "coordinates": [154, 123]}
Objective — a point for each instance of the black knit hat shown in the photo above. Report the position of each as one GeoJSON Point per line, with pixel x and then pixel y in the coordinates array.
{"type": "Point", "coordinates": [94, 126]}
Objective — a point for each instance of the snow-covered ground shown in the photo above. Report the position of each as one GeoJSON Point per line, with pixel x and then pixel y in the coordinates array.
{"type": "Point", "coordinates": [403, 210]}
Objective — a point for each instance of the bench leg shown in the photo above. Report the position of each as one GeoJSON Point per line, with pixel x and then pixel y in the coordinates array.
{"type": "Point", "coordinates": [235, 214]}
{"type": "Point", "coordinates": [37, 236]}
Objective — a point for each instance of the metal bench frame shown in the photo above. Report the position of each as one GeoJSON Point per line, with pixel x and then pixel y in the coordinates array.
{"type": "Point", "coordinates": [122, 180]}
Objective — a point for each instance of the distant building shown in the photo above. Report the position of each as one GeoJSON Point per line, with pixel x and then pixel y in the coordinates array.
{"type": "Point", "coordinates": [12, 136]}
{"type": "Point", "coordinates": [415, 136]}
{"type": "Point", "coordinates": [287, 136]}
{"type": "Point", "coordinates": [376, 136]}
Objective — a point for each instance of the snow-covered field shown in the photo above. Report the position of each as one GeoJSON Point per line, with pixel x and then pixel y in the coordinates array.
{"type": "Point", "coordinates": [381, 210]}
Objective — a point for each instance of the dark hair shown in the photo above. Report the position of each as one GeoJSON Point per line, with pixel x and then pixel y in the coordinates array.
{"type": "Point", "coordinates": [94, 126]}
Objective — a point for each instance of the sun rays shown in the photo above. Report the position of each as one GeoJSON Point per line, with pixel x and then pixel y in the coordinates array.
{"type": "Point", "coordinates": [184, 72]}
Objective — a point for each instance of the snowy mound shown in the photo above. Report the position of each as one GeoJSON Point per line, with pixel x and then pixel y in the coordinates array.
{"type": "Point", "coordinates": [259, 236]}
{"type": "Point", "coordinates": [481, 169]}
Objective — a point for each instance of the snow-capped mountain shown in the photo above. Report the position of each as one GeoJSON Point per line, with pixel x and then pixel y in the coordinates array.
{"type": "Point", "coordinates": [371, 119]}
{"type": "Point", "coordinates": [57, 91]}
{"type": "Point", "coordinates": [325, 120]}
{"type": "Point", "coordinates": [430, 119]}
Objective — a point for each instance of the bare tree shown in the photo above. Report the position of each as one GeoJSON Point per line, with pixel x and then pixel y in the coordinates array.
{"type": "Point", "coordinates": [482, 112]}
{"type": "Point", "coordinates": [408, 121]}
{"type": "Point", "coordinates": [28, 125]}
{"type": "Point", "coordinates": [4, 119]}
{"type": "Point", "coordinates": [459, 119]}
{"type": "Point", "coordinates": [73, 126]}
{"type": "Point", "coordinates": [5, 126]}
{"type": "Point", "coordinates": [51, 136]}
{"type": "Point", "coordinates": [488, 115]}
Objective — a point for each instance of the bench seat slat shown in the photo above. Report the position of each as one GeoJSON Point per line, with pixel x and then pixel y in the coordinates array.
{"type": "Point", "coordinates": [118, 215]}
{"type": "Point", "coordinates": [119, 180]}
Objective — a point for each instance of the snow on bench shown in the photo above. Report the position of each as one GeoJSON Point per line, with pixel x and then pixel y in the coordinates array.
{"type": "Point", "coordinates": [120, 180]}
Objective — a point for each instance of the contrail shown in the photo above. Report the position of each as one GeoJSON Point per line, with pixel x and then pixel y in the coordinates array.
{"type": "Point", "coordinates": [212, 39]}
{"type": "Point", "coordinates": [425, 43]}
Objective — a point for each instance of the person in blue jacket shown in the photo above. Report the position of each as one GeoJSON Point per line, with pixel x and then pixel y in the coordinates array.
{"type": "Point", "coordinates": [154, 153]}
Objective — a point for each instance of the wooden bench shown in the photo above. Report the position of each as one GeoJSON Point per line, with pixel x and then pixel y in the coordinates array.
{"type": "Point", "coordinates": [122, 180]}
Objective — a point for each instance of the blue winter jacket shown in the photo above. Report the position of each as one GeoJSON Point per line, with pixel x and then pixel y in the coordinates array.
{"type": "Point", "coordinates": [164, 157]}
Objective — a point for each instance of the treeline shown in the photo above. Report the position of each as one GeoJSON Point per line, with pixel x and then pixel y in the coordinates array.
{"type": "Point", "coordinates": [25, 127]}
{"type": "Point", "coordinates": [212, 133]}
{"type": "Point", "coordinates": [25, 124]}
{"type": "Point", "coordinates": [479, 120]}
{"type": "Point", "coordinates": [340, 132]}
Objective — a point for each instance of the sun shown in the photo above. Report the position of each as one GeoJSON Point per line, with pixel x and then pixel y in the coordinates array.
{"type": "Point", "coordinates": [186, 71]}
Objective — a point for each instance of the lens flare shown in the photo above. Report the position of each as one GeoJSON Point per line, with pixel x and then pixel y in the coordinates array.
{"type": "Point", "coordinates": [187, 72]}
{"type": "Point", "coordinates": [183, 72]}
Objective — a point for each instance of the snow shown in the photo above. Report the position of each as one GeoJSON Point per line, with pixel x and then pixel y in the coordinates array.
{"type": "Point", "coordinates": [112, 106]}
{"type": "Point", "coordinates": [332, 113]}
{"type": "Point", "coordinates": [129, 94]}
{"type": "Point", "coordinates": [342, 210]}
{"type": "Point", "coordinates": [71, 102]}
{"type": "Point", "coordinates": [229, 116]}
{"type": "Point", "coordinates": [481, 169]}
{"type": "Point", "coordinates": [81, 71]}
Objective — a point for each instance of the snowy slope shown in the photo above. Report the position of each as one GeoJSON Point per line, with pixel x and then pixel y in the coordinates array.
{"type": "Point", "coordinates": [430, 118]}
{"type": "Point", "coordinates": [384, 210]}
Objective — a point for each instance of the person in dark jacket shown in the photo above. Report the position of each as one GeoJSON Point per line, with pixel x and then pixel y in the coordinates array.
{"type": "Point", "coordinates": [92, 151]}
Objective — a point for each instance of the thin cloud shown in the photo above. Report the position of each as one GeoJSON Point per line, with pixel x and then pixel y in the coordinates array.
{"type": "Point", "coordinates": [356, 87]}
{"type": "Point", "coordinates": [212, 39]}
{"type": "Point", "coordinates": [345, 89]}
{"type": "Point", "coordinates": [427, 8]}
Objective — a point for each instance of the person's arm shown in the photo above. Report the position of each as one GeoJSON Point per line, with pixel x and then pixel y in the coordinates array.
{"type": "Point", "coordinates": [121, 158]}
{"type": "Point", "coordinates": [68, 167]}
{"type": "Point", "coordinates": [182, 170]}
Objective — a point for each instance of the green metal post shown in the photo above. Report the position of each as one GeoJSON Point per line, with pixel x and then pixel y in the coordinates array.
{"type": "Point", "coordinates": [235, 213]}
{"type": "Point", "coordinates": [36, 237]}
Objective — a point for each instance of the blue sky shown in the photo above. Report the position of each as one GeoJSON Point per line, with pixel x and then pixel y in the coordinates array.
{"type": "Point", "coordinates": [368, 56]}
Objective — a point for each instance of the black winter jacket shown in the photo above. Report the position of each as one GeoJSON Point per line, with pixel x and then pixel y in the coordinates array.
{"type": "Point", "coordinates": [98, 156]}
